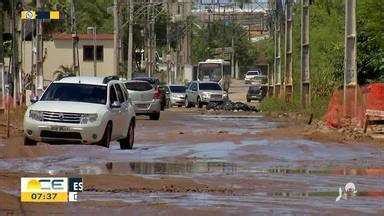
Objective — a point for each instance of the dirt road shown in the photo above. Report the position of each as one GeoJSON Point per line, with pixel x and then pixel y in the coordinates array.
{"type": "Point", "coordinates": [197, 163]}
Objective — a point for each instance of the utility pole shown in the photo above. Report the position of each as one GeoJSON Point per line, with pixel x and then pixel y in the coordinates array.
{"type": "Point", "coordinates": [130, 39]}
{"type": "Point", "coordinates": [277, 51]}
{"type": "Point", "coordinates": [288, 51]}
{"type": "Point", "coordinates": [350, 68]}
{"type": "Point", "coordinates": [21, 32]}
{"type": "Point", "coordinates": [2, 54]}
{"type": "Point", "coordinates": [116, 40]}
{"type": "Point", "coordinates": [15, 58]}
{"type": "Point", "coordinates": [168, 56]}
{"type": "Point", "coordinates": [39, 52]}
{"type": "Point", "coordinates": [271, 82]}
{"type": "Point", "coordinates": [75, 41]}
{"type": "Point", "coordinates": [1, 32]}
{"type": "Point", "coordinates": [233, 44]}
{"type": "Point", "coordinates": [305, 81]}
{"type": "Point", "coordinates": [152, 39]}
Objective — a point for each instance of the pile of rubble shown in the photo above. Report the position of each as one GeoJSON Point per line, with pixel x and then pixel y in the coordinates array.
{"type": "Point", "coordinates": [231, 106]}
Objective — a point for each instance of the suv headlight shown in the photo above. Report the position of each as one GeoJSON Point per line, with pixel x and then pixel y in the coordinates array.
{"type": "Point", "coordinates": [36, 115]}
{"type": "Point", "coordinates": [205, 95]}
{"type": "Point", "coordinates": [88, 118]}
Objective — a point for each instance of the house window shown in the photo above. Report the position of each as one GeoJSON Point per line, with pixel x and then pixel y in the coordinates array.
{"type": "Point", "coordinates": [88, 53]}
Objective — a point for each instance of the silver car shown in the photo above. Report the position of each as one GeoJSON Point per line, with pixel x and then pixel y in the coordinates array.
{"type": "Point", "coordinates": [175, 95]}
{"type": "Point", "coordinates": [201, 93]}
{"type": "Point", "coordinates": [145, 98]}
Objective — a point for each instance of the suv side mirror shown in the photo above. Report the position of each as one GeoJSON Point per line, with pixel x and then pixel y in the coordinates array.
{"type": "Point", "coordinates": [116, 104]}
{"type": "Point", "coordinates": [34, 99]}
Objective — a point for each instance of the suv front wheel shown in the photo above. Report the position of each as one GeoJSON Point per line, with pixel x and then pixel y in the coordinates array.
{"type": "Point", "coordinates": [154, 116]}
{"type": "Point", "coordinates": [187, 103]}
{"type": "Point", "coordinates": [106, 137]}
{"type": "Point", "coordinates": [29, 142]}
{"type": "Point", "coordinates": [127, 143]}
{"type": "Point", "coordinates": [199, 103]}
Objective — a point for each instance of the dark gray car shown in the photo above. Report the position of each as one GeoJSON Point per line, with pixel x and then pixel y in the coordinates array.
{"type": "Point", "coordinates": [256, 92]}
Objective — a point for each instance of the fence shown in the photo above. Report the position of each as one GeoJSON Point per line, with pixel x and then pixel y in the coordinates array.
{"type": "Point", "coordinates": [369, 97]}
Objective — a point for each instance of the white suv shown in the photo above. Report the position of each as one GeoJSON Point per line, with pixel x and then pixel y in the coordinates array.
{"type": "Point", "coordinates": [201, 93]}
{"type": "Point", "coordinates": [82, 110]}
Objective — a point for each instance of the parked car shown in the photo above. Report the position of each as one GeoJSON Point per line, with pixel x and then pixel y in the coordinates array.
{"type": "Point", "coordinates": [251, 76]}
{"type": "Point", "coordinates": [81, 110]}
{"type": "Point", "coordinates": [156, 84]}
{"type": "Point", "coordinates": [201, 93]}
{"type": "Point", "coordinates": [175, 95]}
{"type": "Point", "coordinates": [145, 98]}
{"type": "Point", "coordinates": [256, 92]}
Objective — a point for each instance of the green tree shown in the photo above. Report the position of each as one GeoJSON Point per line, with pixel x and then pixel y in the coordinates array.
{"type": "Point", "coordinates": [64, 71]}
{"type": "Point", "coordinates": [370, 41]}
{"type": "Point", "coordinates": [219, 34]}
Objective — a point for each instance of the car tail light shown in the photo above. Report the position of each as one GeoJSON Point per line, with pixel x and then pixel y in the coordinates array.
{"type": "Point", "coordinates": [157, 94]}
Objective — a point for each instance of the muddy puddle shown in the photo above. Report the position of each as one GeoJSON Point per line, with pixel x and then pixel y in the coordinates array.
{"type": "Point", "coordinates": [235, 124]}
{"type": "Point", "coordinates": [290, 176]}
{"type": "Point", "coordinates": [250, 157]}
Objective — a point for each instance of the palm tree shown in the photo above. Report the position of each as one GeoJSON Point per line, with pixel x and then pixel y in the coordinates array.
{"type": "Point", "coordinates": [64, 71]}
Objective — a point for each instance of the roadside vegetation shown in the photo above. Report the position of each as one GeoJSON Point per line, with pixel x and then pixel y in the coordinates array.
{"type": "Point", "coordinates": [327, 19]}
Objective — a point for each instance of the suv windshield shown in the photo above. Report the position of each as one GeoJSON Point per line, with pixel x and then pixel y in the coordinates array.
{"type": "Point", "coordinates": [209, 86]}
{"type": "Point", "coordinates": [138, 86]}
{"type": "Point", "coordinates": [253, 73]}
{"type": "Point", "coordinates": [177, 89]}
{"type": "Point", "coordinates": [76, 92]}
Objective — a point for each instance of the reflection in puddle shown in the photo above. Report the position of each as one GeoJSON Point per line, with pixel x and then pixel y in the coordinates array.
{"type": "Point", "coordinates": [146, 168]}
{"type": "Point", "coordinates": [159, 168]}
{"type": "Point", "coordinates": [324, 194]}
{"type": "Point", "coordinates": [330, 170]}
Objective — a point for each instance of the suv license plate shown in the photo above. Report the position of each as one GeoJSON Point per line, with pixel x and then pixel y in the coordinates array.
{"type": "Point", "coordinates": [60, 128]}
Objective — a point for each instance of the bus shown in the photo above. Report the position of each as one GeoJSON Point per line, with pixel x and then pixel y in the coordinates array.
{"type": "Point", "coordinates": [215, 70]}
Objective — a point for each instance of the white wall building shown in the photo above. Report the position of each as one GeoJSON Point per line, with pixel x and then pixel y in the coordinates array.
{"type": "Point", "coordinates": [59, 52]}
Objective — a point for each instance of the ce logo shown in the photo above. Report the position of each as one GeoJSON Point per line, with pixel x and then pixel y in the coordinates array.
{"type": "Point", "coordinates": [29, 15]}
